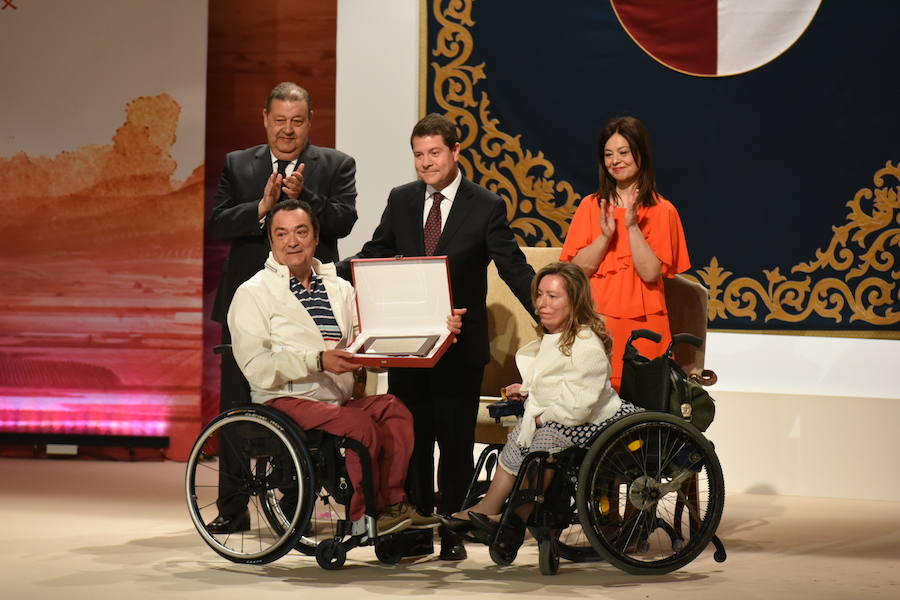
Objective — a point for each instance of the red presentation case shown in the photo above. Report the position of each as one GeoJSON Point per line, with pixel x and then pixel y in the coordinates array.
{"type": "Point", "coordinates": [402, 297]}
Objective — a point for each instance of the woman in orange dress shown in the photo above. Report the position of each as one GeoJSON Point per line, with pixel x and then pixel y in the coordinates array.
{"type": "Point", "coordinates": [627, 239]}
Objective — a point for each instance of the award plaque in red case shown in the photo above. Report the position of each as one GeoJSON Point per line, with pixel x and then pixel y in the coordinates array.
{"type": "Point", "coordinates": [403, 304]}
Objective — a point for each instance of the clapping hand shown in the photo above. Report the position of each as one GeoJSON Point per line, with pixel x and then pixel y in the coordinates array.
{"type": "Point", "coordinates": [270, 194]}
{"type": "Point", "coordinates": [607, 218]}
{"type": "Point", "coordinates": [292, 185]}
{"type": "Point", "coordinates": [631, 204]}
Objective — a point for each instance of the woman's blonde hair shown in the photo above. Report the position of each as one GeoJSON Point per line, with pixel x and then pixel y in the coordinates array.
{"type": "Point", "coordinates": [581, 303]}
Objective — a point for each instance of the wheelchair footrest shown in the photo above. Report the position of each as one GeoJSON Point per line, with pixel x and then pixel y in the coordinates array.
{"type": "Point", "coordinates": [416, 542]}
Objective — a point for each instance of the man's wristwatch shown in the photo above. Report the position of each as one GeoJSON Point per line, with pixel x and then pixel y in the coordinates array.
{"type": "Point", "coordinates": [319, 361]}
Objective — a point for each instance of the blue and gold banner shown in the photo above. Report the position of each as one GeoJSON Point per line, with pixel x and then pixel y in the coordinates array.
{"type": "Point", "coordinates": [775, 134]}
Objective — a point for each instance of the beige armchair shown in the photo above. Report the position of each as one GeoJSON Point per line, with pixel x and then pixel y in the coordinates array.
{"type": "Point", "coordinates": [686, 301]}
{"type": "Point", "coordinates": [509, 328]}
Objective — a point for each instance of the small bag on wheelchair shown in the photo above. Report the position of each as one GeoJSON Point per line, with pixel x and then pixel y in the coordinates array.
{"type": "Point", "coordinates": [662, 385]}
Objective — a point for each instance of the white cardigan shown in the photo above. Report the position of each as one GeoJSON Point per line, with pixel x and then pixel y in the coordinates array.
{"type": "Point", "coordinates": [570, 390]}
{"type": "Point", "coordinates": [275, 341]}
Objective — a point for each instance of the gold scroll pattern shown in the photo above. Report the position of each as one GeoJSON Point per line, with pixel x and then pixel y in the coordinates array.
{"type": "Point", "coordinates": [849, 281]}
{"type": "Point", "coordinates": [857, 273]}
{"type": "Point", "coordinates": [538, 207]}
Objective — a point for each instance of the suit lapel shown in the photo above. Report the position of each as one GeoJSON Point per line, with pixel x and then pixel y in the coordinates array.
{"type": "Point", "coordinates": [310, 158]}
{"type": "Point", "coordinates": [262, 167]}
{"type": "Point", "coordinates": [461, 207]}
{"type": "Point", "coordinates": [416, 210]}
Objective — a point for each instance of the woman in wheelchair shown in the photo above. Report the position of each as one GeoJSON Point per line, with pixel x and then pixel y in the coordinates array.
{"type": "Point", "coordinates": [566, 389]}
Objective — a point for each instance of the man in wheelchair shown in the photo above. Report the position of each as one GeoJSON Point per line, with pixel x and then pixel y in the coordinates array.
{"type": "Point", "coordinates": [289, 324]}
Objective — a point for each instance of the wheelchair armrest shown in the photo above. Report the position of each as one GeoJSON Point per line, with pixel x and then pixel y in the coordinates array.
{"type": "Point", "coordinates": [506, 408]}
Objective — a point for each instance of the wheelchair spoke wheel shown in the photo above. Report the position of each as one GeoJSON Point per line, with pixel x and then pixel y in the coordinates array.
{"type": "Point", "coordinates": [559, 511]}
{"type": "Point", "coordinates": [322, 526]}
{"type": "Point", "coordinates": [650, 493]}
{"type": "Point", "coordinates": [573, 545]}
{"type": "Point", "coordinates": [250, 462]}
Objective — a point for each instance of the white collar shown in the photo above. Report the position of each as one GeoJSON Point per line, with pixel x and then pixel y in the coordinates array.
{"type": "Point", "coordinates": [323, 270]}
{"type": "Point", "coordinates": [448, 192]}
{"type": "Point", "coordinates": [273, 159]}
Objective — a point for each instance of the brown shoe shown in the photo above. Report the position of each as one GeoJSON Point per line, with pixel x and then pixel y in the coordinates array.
{"type": "Point", "coordinates": [420, 521]}
{"type": "Point", "coordinates": [394, 519]}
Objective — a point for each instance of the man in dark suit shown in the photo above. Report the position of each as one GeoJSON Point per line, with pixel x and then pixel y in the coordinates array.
{"type": "Point", "coordinates": [442, 213]}
{"type": "Point", "coordinates": [252, 181]}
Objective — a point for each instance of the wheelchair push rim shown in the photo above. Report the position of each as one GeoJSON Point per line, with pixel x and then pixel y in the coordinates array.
{"type": "Point", "coordinates": [275, 477]}
{"type": "Point", "coordinates": [650, 493]}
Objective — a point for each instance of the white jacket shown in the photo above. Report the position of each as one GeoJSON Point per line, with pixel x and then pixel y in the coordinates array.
{"type": "Point", "coordinates": [570, 390]}
{"type": "Point", "coordinates": [275, 341]}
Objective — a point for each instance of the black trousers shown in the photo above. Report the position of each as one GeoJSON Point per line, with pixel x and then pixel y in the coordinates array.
{"type": "Point", "coordinates": [234, 391]}
{"type": "Point", "coordinates": [444, 404]}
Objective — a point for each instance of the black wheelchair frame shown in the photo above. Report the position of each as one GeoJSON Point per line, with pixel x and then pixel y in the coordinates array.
{"type": "Point", "coordinates": [286, 475]}
{"type": "Point", "coordinates": [646, 495]}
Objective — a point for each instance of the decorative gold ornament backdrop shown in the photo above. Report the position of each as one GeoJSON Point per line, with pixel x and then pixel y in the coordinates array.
{"type": "Point", "coordinates": [863, 251]}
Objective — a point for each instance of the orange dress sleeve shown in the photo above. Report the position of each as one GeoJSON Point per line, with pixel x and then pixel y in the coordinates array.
{"type": "Point", "coordinates": [584, 228]}
{"type": "Point", "coordinates": [665, 235]}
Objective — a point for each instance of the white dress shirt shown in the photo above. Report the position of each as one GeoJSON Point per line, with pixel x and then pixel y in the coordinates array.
{"type": "Point", "coordinates": [292, 166]}
{"type": "Point", "coordinates": [449, 193]}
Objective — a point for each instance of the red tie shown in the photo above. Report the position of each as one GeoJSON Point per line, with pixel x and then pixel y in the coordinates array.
{"type": "Point", "coordinates": [433, 224]}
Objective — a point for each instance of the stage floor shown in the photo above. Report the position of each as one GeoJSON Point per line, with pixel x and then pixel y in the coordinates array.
{"type": "Point", "coordinates": [78, 529]}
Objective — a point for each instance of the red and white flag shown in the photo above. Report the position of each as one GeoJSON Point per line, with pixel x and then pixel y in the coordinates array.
{"type": "Point", "coordinates": [715, 38]}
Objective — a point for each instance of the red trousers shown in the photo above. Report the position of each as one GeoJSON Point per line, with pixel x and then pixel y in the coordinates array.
{"type": "Point", "coordinates": [380, 423]}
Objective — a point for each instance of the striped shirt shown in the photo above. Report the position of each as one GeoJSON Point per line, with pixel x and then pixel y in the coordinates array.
{"type": "Point", "coordinates": [316, 302]}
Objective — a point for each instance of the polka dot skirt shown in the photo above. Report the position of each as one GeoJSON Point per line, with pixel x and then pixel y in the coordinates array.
{"type": "Point", "coordinates": [555, 437]}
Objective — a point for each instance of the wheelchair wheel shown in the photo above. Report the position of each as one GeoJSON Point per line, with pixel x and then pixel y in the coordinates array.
{"type": "Point", "coordinates": [501, 557]}
{"type": "Point", "coordinates": [331, 555]}
{"type": "Point", "coordinates": [388, 550]}
{"type": "Point", "coordinates": [321, 525]}
{"type": "Point", "coordinates": [548, 556]}
{"type": "Point", "coordinates": [650, 493]}
{"type": "Point", "coordinates": [559, 515]}
{"type": "Point", "coordinates": [270, 473]}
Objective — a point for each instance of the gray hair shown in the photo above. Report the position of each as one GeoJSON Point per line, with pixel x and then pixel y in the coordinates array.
{"type": "Point", "coordinates": [288, 91]}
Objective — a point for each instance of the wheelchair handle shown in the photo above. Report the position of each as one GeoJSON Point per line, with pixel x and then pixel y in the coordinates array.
{"type": "Point", "coordinates": [646, 334]}
{"type": "Point", "coordinates": [686, 338]}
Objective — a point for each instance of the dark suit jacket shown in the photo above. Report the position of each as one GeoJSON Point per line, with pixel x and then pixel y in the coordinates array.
{"type": "Point", "coordinates": [475, 233]}
{"type": "Point", "coordinates": [329, 187]}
